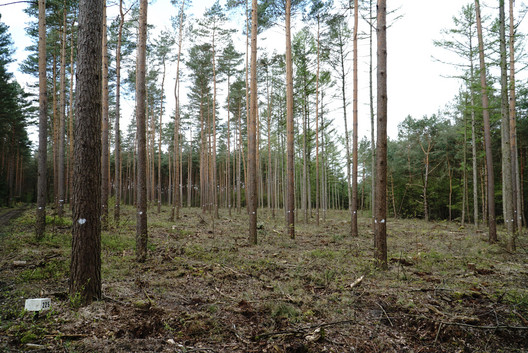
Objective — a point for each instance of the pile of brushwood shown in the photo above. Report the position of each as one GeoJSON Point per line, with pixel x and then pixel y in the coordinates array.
{"type": "Point", "coordinates": [203, 288]}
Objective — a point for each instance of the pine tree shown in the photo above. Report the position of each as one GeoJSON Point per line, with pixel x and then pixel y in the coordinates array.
{"type": "Point", "coordinates": [85, 267]}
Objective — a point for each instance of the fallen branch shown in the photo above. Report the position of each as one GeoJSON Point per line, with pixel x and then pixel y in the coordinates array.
{"type": "Point", "coordinates": [521, 317]}
{"type": "Point", "coordinates": [239, 336]}
{"type": "Point", "coordinates": [438, 332]}
{"type": "Point", "coordinates": [497, 327]}
{"type": "Point", "coordinates": [357, 282]}
{"type": "Point", "coordinates": [223, 294]}
{"type": "Point", "coordinates": [387, 316]}
{"type": "Point", "coordinates": [303, 330]}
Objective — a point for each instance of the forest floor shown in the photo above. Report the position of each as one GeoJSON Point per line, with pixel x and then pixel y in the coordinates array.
{"type": "Point", "coordinates": [205, 289]}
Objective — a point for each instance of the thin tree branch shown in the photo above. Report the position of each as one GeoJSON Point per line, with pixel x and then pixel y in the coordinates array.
{"type": "Point", "coordinates": [19, 2]}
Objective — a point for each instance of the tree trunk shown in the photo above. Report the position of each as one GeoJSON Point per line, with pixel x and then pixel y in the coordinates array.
{"type": "Point", "coordinates": [70, 120]}
{"type": "Point", "coordinates": [290, 166]}
{"type": "Point", "coordinates": [141, 218]}
{"type": "Point", "coordinates": [117, 149]}
{"type": "Point", "coordinates": [62, 118]}
{"type": "Point", "coordinates": [215, 177]}
{"type": "Point", "coordinates": [426, 184]}
{"type": "Point", "coordinates": [40, 223]}
{"type": "Point", "coordinates": [160, 131]}
{"type": "Point", "coordinates": [487, 132]}
{"type": "Point", "coordinates": [450, 176]}
{"type": "Point", "coordinates": [380, 230]}
{"type": "Point", "coordinates": [177, 194]}
{"type": "Point", "coordinates": [507, 180]}
{"type": "Point", "coordinates": [85, 267]}
{"type": "Point", "coordinates": [252, 132]}
{"type": "Point", "coordinates": [324, 178]}
{"type": "Point", "coordinates": [189, 174]}
{"type": "Point", "coordinates": [239, 173]}
{"type": "Point", "coordinates": [317, 177]}
{"type": "Point", "coordinates": [269, 179]}
{"type": "Point", "coordinates": [228, 154]}
{"type": "Point", "coordinates": [372, 118]}
{"type": "Point", "coordinates": [105, 172]}
{"type": "Point", "coordinates": [55, 141]}
{"type": "Point", "coordinates": [474, 145]}
{"type": "Point", "coordinates": [354, 204]}
{"type": "Point", "coordinates": [517, 195]}
{"type": "Point", "coordinates": [347, 139]}
{"type": "Point", "coordinates": [304, 183]}
{"type": "Point", "coordinates": [464, 174]}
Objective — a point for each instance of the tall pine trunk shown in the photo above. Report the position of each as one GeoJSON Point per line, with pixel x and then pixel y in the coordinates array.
{"type": "Point", "coordinates": [70, 120]}
{"type": "Point", "coordinates": [380, 230]}
{"type": "Point", "coordinates": [117, 142]}
{"type": "Point", "coordinates": [372, 118]}
{"type": "Point", "coordinates": [317, 176]}
{"type": "Point", "coordinates": [487, 132]}
{"type": "Point", "coordinates": [354, 204]}
{"type": "Point", "coordinates": [252, 132]}
{"type": "Point", "coordinates": [473, 139]}
{"type": "Point", "coordinates": [62, 118]}
{"type": "Point", "coordinates": [105, 172]}
{"type": "Point", "coordinates": [85, 266]}
{"type": "Point", "coordinates": [177, 166]}
{"type": "Point", "coordinates": [40, 223]}
{"type": "Point", "coordinates": [507, 180]}
{"type": "Point", "coordinates": [160, 131]}
{"type": "Point", "coordinates": [290, 166]}
{"type": "Point", "coordinates": [141, 107]}
{"type": "Point", "coordinates": [517, 195]}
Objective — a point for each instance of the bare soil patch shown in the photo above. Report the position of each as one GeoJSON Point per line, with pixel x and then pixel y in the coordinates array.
{"type": "Point", "coordinates": [205, 289]}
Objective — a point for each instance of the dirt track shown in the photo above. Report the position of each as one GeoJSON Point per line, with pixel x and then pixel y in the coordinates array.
{"type": "Point", "coordinates": [5, 217]}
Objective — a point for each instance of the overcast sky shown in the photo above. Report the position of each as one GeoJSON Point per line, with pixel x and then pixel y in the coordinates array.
{"type": "Point", "coordinates": [416, 85]}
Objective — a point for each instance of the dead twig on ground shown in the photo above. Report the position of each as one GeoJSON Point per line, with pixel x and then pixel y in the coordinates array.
{"type": "Point", "coordinates": [224, 295]}
{"type": "Point", "coordinates": [438, 332]}
{"type": "Point", "coordinates": [387, 316]}
{"type": "Point", "coordinates": [484, 327]}
{"type": "Point", "coordinates": [239, 336]}
{"type": "Point", "coordinates": [521, 317]}
{"type": "Point", "coordinates": [303, 330]}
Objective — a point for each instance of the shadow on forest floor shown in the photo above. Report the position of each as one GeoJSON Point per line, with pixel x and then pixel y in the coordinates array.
{"type": "Point", "coordinates": [204, 288]}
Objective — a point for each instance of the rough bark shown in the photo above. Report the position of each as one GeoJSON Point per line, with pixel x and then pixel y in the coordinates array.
{"type": "Point", "coordinates": [40, 224]}
{"type": "Point", "coordinates": [62, 119]}
{"type": "Point", "coordinates": [380, 230]}
{"type": "Point", "coordinates": [105, 162]}
{"type": "Point", "coordinates": [85, 268]}
{"type": "Point", "coordinates": [70, 120]}
{"type": "Point", "coordinates": [141, 107]}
